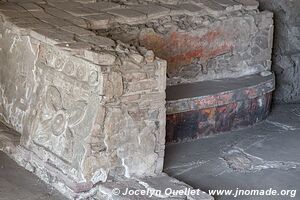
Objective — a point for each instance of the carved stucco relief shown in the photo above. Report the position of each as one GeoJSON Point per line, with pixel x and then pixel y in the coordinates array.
{"type": "Point", "coordinates": [69, 95]}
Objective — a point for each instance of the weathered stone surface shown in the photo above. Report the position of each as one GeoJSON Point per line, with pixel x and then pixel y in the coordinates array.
{"type": "Point", "coordinates": [191, 9]}
{"type": "Point", "coordinates": [30, 6]}
{"type": "Point", "coordinates": [52, 36]}
{"type": "Point", "coordinates": [90, 105]}
{"type": "Point", "coordinates": [249, 4]}
{"type": "Point", "coordinates": [245, 101]}
{"type": "Point", "coordinates": [286, 53]}
{"type": "Point", "coordinates": [98, 21]}
{"type": "Point", "coordinates": [9, 139]}
{"type": "Point", "coordinates": [102, 6]}
{"type": "Point", "coordinates": [214, 52]}
{"type": "Point", "coordinates": [154, 187]}
{"type": "Point", "coordinates": [69, 102]}
{"type": "Point", "coordinates": [77, 30]}
{"type": "Point", "coordinates": [101, 58]}
{"type": "Point", "coordinates": [151, 10]}
{"type": "Point", "coordinates": [126, 15]}
{"type": "Point", "coordinates": [64, 15]}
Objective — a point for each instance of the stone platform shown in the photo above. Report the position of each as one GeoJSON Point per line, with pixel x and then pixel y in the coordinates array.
{"type": "Point", "coordinates": [212, 107]}
{"type": "Point", "coordinates": [10, 144]}
{"type": "Point", "coordinates": [83, 82]}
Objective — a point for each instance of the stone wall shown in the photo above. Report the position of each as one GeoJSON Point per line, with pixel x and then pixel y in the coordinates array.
{"type": "Point", "coordinates": [83, 82]}
{"type": "Point", "coordinates": [206, 41]}
{"type": "Point", "coordinates": [91, 111]}
{"type": "Point", "coordinates": [286, 54]}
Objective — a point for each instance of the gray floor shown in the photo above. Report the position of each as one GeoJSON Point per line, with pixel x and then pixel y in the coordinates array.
{"type": "Point", "coordinates": [18, 184]}
{"type": "Point", "coordinates": [260, 157]}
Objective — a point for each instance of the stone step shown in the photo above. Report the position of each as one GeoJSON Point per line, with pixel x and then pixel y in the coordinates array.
{"type": "Point", "coordinates": [205, 108]}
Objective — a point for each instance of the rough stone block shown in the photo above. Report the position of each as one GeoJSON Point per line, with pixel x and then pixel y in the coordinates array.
{"type": "Point", "coordinates": [60, 107]}
{"type": "Point", "coordinates": [30, 6]}
{"type": "Point", "coordinates": [99, 21]}
{"type": "Point", "coordinates": [151, 10]}
{"type": "Point", "coordinates": [77, 30]}
{"type": "Point", "coordinates": [245, 101]}
{"type": "Point", "coordinates": [64, 16]}
{"type": "Point", "coordinates": [125, 15]}
{"type": "Point", "coordinates": [102, 6]}
{"type": "Point", "coordinates": [249, 4]}
{"type": "Point", "coordinates": [52, 36]}
{"type": "Point", "coordinates": [191, 9]}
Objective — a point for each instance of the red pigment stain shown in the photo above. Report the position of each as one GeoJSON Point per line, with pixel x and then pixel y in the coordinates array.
{"type": "Point", "coordinates": [181, 48]}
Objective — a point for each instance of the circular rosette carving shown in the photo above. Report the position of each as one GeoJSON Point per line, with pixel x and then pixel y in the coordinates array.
{"type": "Point", "coordinates": [80, 74]}
{"type": "Point", "coordinates": [93, 78]}
{"type": "Point", "coordinates": [53, 99]}
{"type": "Point", "coordinates": [69, 68]}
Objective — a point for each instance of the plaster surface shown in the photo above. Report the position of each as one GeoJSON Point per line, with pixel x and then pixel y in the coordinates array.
{"type": "Point", "coordinates": [261, 157]}
{"type": "Point", "coordinates": [286, 51]}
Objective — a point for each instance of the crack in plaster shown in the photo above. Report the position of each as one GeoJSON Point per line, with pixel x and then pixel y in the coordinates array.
{"type": "Point", "coordinates": [15, 39]}
{"type": "Point", "coordinates": [296, 111]}
{"type": "Point", "coordinates": [127, 175]}
{"type": "Point", "coordinates": [149, 188]}
{"type": "Point", "coordinates": [34, 71]}
{"type": "Point", "coordinates": [238, 160]}
{"type": "Point", "coordinates": [282, 126]}
{"type": "Point", "coordinates": [186, 167]}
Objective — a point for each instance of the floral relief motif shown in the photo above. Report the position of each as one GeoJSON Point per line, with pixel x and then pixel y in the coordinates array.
{"type": "Point", "coordinates": [58, 119]}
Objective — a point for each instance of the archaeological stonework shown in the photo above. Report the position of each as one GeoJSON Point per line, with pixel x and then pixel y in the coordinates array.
{"type": "Point", "coordinates": [88, 117]}
{"type": "Point", "coordinates": [286, 54]}
{"type": "Point", "coordinates": [245, 101]}
{"type": "Point", "coordinates": [206, 43]}
{"type": "Point", "coordinates": [84, 84]}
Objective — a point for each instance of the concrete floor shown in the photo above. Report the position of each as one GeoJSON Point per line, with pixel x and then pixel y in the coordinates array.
{"type": "Point", "coordinates": [260, 157]}
{"type": "Point", "coordinates": [18, 184]}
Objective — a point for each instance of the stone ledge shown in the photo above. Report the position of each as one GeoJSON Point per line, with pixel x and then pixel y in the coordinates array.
{"type": "Point", "coordinates": [213, 107]}
{"type": "Point", "coordinates": [81, 14]}
{"type": "Point", "coordinates": [215, 93]}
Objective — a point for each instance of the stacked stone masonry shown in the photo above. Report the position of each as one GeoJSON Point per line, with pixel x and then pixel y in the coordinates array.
{"type": "Point", "coordinates": [83, 82]}
{"type": "Point", "coordinates": [286, 54]}
{"type": "Point", "coordinates": [202, 40]}
{"type": "Point", "coordinates": [82, 111]}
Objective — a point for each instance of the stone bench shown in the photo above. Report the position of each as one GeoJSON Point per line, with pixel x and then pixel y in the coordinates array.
{"type": "Point", "coordinates": [207, 108]}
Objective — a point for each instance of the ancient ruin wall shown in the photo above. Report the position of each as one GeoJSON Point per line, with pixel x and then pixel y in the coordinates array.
{"type": "Point", "coordinates": [200, 44]}
{"type": "Point", "coordinates": [84, 115]}
{"type": "Point", "coordinates": [286, 54]}
{"type": "Point", "coordinates": [91, 108]}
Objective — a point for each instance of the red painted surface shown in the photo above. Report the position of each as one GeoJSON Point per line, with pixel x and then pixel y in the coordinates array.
{"type": "Point", "coordinates": [181, 48]}
{"type": "Point", "coordinates": [204, 122]}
